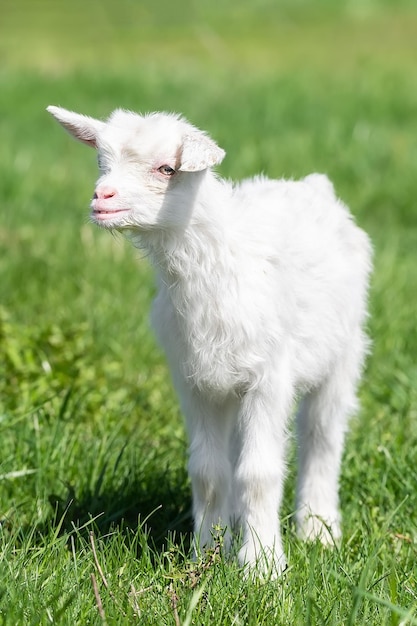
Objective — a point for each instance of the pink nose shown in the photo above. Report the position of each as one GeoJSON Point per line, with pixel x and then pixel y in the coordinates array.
{"type": "Point", "coordinates": [104, 193]}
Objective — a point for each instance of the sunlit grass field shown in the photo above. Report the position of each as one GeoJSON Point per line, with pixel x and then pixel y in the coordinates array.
{"type": "Point", "coordinates": [94, 496]}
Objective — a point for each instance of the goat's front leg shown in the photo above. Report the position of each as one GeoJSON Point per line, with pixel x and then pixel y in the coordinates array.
{"type": "Point", "coordinates": [209, 427]}
{"type": "Point", "coordinates": [259, 477]}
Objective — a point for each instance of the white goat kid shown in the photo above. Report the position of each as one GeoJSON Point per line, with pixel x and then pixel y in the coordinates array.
{"type": "Point", "coordinates": [262, 295]}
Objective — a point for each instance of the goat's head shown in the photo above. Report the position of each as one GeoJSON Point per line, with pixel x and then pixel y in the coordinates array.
{"type": "Point", "coordinates": [147, 163]}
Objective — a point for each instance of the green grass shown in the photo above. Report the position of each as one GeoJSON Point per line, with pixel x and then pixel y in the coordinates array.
{"type": "Point", "coordinates": [94, 495]}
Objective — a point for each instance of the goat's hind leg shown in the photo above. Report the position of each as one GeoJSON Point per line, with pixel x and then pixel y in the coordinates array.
{"type": "Point", "coordinates": [322, 423]}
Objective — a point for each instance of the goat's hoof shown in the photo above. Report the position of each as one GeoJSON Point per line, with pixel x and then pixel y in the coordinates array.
{"type": "Point", "coordinates": [265, 565]}
{"type": "Point", "coordinates": [314, 527]}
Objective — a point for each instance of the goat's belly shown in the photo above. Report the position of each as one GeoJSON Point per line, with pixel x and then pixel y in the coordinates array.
{"type": "Point", "coordinates": [216, 370]}
{"type": "Point", "coordinates": [214, 361]}
{"type": "Point", "coordinates": [204, 364]}
{"type": "Point", "coordinates": [209, 366]}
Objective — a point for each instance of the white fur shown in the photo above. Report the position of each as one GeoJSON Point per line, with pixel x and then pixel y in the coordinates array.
{"type": "Point", "coordinates": [262, 295]}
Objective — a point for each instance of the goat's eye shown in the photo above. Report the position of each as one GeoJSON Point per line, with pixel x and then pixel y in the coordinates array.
{"type": "Point", "coordinates": [166, 170]}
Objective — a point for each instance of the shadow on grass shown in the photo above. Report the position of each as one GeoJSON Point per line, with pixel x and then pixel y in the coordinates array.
{"type": "Point", "coordinates": [160, 505]}
{"type": "Point", "coordinates": [157, 505]}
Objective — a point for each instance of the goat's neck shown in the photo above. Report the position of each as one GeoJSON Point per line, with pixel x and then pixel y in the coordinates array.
{"type": "Point", "coordinates": [196, 251]}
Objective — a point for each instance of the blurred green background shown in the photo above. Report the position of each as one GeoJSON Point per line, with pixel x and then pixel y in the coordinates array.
{"type": "Point", "coordinates": [251, 36]}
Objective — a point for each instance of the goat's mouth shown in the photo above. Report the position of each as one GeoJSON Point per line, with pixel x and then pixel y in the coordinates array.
{"type": "Point", "coordinates": [102, 215]}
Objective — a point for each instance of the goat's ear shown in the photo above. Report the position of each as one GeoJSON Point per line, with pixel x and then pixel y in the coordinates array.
{"type": "Point", "coordinates": [199, 152]}
{"type": "Point", "coordinates": [82, 127]}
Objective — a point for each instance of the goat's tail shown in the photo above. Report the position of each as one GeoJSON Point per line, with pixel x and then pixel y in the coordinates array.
{"type": "Point", "coordinates": [321, 183]}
